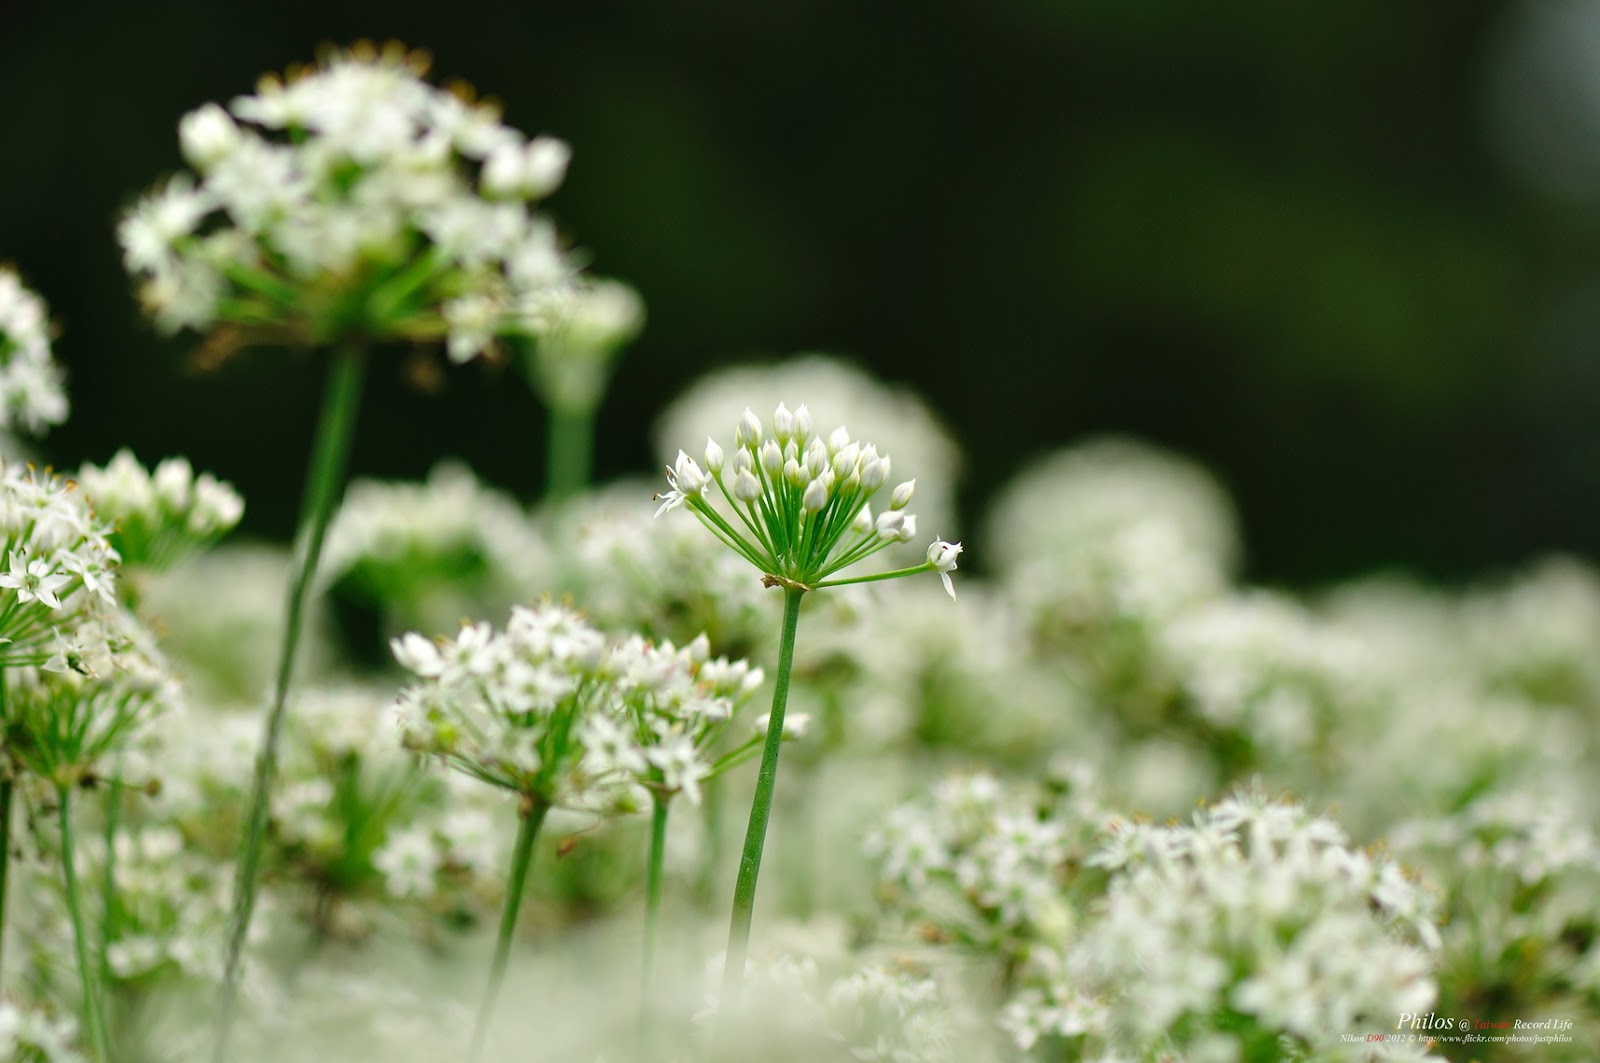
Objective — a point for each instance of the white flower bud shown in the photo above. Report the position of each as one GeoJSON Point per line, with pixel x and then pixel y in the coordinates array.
{"type": "Point", "coordinates": [816, 457]}
{"type": "Point", "coordinates": [782, 423]}
{"type": "Point", "coordinates": [816, 497]}
{"type": "Point", "coordinates": [795, 473]}
{"type": "Point", "coordinates": [838, 440]}
{"type": "Point", "coordinates": [863, 521]}
{"type": "Point", "coordinates": [713, 456]}
{"type": "Point", "coordinates": [874, 471]}
{"type": "Point", "coordinates": [699, 649]}
{"type": "Point", "coordinates": [791, 451]}
{"type": "Point", "coordinates": [802, 422]}
{"type": "Point", "coordinates": [748, 434]}
{"type": "Point", "coordinates": [746, 488]}
{"type": "Point", "coordinates": [844, 461]}
{"type": "Point", "coordinates": [908, 530]}
{"type": "Point", "coordinates": [208, 136]}
{"type": "Point", "coordinates": [900, 497]}
{"type": "Point", "coordinates": [742, 461]}
{"type": "Point", "coordinates": [545, 166]}
{"type": "Point", "coordinates": [851, 484]}
{"type": "Point", "coordinates": [890, 524]}
{"type": "Point", "coordinates": [771, 458]}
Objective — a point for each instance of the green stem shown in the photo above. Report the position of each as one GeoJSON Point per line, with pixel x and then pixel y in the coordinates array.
{"type": "Point", "coordinates": [324, 479]}
{"type": "Point", "coordinates": [570, 457]}
{"type": "Point", "coordinates": [744, 891]}
{"type": "Point", "coordinates": [108, 881]}
{"type": "Point", "coordinates": [522, 855]}
{"type": "Point", "coordinates": [652, 914]}
{"type": "Point", "coordinates": [926, 566]}
{"type": "Point", "coordinates": [6, 790]}
{"type": "Point", "coordinates": [92, 1019]}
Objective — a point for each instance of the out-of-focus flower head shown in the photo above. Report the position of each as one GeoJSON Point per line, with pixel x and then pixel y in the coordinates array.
{"type": "Point", "coordinates": [32, 386]}
{"type": "Point", "coordinates": [352, 201]}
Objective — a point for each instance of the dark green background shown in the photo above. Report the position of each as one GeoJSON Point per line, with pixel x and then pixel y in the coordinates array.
{"type": "Point", "coordinates": [1275, 236]}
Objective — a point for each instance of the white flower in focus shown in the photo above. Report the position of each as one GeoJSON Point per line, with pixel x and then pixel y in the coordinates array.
{"type": "Point", "coordinates": [942, 556]}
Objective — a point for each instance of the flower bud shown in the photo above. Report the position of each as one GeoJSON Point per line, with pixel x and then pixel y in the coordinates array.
{"type": "Point", "coordinates": [863, 520]}
{"type": "Point", "coordinates": [874, 471]}
{"type": "Point", "coordinates": [746, 488]}
{"type": "Point", "coordinates": [844, 461]}
{"type": "Point", "coordinates": [782, 423]}
{"type": "Point", "coordinates": [207, 135]}
{"type": "Point", "coordinates": [795, 473]}
{"type": "Point", "coordinates": [748, 434]}
{"type": "Point", "coordinates": [714, 456]}
{"type": "Point", "coordinates": [742, 461]}
{"type": "Point", "coordinates": [699, 649]}
{"type": "Point", "coordinates": [838, 440]}
{"type": "Point", "coordinates": [791, 451]}
{"type": "Point", "coordinates": [802, 422]}
{"type": "Point", "coordinates": [850, 484]}
{"type": "Point", "coordinates": [901, 496]}
{"type": "Point", "coordinates": [816, 497]}
{"type": "Point", "coordinates": [771, 458]}
{"type": "Point", "coordinates": [816, 457]}
{"type": "Point", "coordinates": [890, 524]}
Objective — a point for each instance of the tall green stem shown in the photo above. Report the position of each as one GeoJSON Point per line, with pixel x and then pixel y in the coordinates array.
{"type": "Point", "coordinates": [570, 455]}
{"type": "Point", "coordinates": [5, 819]}
{"type": "Point", "coordinates": [93, 1020]}
{"type": "Point", "coordinates": [755, 836]}
{"type": "Point", "coordinates": [521, 856]}
{"type": "Point", "coordinates": [324, 479]}
{"type": "Point", "coordinates": [652, 913]}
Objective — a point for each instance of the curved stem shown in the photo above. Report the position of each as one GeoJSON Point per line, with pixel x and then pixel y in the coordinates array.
{"type": "Point", "coordinates": [93, 1020]}
{"type": "Point", "coordinates": [521, 857]}
{"type": "Point", "coordinates": [652, 914]}
{"type": "Point", "coordinates": [926, 566]}
{"type": "Point", "coordinates": [744, 891]}
{"type": "Point", "coordinates": [570, 456]}
{"type": "Point", "coordinates": [324, 479]}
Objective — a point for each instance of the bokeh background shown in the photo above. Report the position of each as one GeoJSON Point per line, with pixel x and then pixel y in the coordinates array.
{"type": "Point", "coordinates": [1344, 254]}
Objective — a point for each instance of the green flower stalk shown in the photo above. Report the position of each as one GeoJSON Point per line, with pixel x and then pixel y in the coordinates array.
{"type": "Point", "coordinates": [802, 513]}
{"type": "Point", "coordinates": [568, 364]}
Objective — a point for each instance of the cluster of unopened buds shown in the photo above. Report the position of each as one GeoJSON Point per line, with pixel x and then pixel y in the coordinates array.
{"type": "Point", "coordinates": [802, 503]}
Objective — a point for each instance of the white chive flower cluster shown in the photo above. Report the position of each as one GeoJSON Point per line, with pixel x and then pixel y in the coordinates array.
{"type": "Point", "coordinates": [507, 707]}
{"type": "Point", "coordinates": [984, 865]}
{"type": "Point", "coordinates": [802, 503]}
{"type": "Point", "coordinates": [671, 708]}
{"type": "Point", "coordinates": [163, 515]}
{"type": "Point", "coordinates": [793, 1009]}
{"type": "Point", "coordinates": [57, 571]}
{"type": "Point", "coordinates": [1261, 910]}
{"type": "Point", "coordinates": [67, 720]}
{"type": "Point", "coordinates": [902, 422]}
{"type": "Point", "coordinates": [1112, 530]}
{"type": "Point", "coordinates": [29, 1034]}
{"type": "Point", "coordinates": [352, 201]}
{"type": "Point", "coordinates": [32, 386]}
{"type": "Point", "coordinates": [570, 359]}
{"type": "Point", "coordinates": [426, 554]}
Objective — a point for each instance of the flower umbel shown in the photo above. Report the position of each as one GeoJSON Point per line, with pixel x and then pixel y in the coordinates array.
{"type": "Point", "coordinates": [801, 503]}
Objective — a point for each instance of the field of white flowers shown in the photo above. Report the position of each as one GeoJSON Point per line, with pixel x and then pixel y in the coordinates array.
{"type": "Point", "coordinates": [738, 762]}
